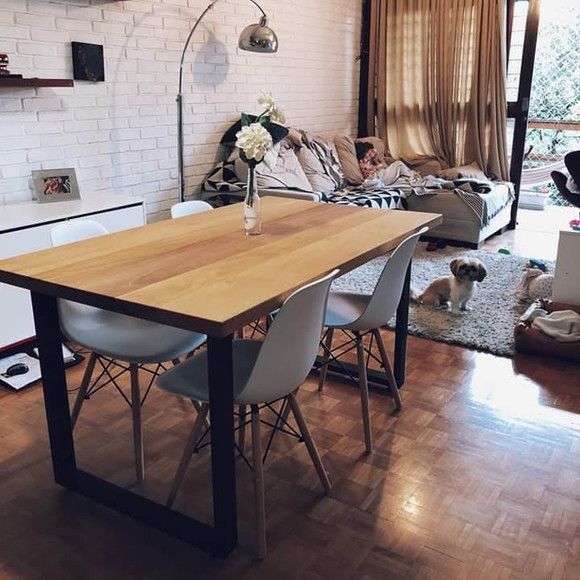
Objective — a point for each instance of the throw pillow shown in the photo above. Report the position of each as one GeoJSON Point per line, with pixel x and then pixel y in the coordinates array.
{"type": "Point", "coordinates": [280, 169]}
{"type": "Point", "coordinates": [348, 161]}
{"type": "Point", "coordinates": [472, 171]}
{"type": "Point", "coordinates": [328, 157]}
{"type": "Point", "coordinates": [314, 171]}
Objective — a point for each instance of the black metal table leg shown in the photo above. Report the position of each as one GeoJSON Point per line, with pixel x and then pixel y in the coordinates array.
{"type": "Point", "coordinates": [55, 393]}
{"type": "Point", "coordinates": [220, 539]}
{"type": "Point", "coordinates": [221, 399]}
{"type": "Point", "coordinates": [401, 331]}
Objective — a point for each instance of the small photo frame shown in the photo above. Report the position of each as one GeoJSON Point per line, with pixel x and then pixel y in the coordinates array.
{"type": "Point", "coordinates": [88, 62]}
{"type": "Point", "coordinates": [56, 185]}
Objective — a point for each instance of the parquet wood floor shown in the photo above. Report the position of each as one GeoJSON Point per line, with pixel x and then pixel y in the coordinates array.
{"type": "Point", "coordinates": [478, 477]}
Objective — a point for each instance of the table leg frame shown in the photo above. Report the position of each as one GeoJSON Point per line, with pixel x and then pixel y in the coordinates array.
{"type": "Point", "coordinates": [219, 540]}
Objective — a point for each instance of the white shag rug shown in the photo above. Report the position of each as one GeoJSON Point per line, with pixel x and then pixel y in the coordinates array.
{"type": "Point", "coordinates": [489, 327]}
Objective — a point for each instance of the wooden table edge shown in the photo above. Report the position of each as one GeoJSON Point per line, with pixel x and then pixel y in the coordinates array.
{"type": "Point", "coordinates": [187, 321]}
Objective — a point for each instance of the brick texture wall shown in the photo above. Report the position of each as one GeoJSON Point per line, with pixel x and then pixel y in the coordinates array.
{"type": "Point", "coordinates": [120, 135]}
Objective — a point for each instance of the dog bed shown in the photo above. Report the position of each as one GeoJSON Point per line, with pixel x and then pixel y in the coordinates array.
{"type": "Point", "coordinates": [530, 340]}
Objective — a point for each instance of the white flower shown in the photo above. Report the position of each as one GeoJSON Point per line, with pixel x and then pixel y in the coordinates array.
{"type": "Point", "coordinates": [254, 140]}
{"type": "Point", "coordinates": [272, 109]}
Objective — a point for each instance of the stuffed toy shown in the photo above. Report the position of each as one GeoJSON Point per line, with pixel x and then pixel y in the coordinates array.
{"type": "Point", "coordinates": [536, 283]}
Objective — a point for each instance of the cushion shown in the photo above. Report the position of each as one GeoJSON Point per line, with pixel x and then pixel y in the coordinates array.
{"type": "Point", "coordinates": [314, 171]}
{"type": "Point", "coordinates": [279, 169]}
{"type": "Point", "coordinates": [472, 171]}
{"type": "Point", "coordinates": [351, 152]}
{"type": "Point", "coordinates": [346, 150]}
{"type": "Point", "coordinates": [431, 167]}
{"type": "Point", "coordinates": [224, 178]}
{"type": "Point", "coordinates": [326, 154]}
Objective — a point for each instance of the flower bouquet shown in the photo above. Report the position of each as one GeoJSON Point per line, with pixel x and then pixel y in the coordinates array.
{"type": "Point", "coordinates": [256, 136]}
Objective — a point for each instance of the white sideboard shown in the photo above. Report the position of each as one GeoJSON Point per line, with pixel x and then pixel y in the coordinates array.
{"type": "Point", "coordinates": [26, 227]}
{"type": "Point", "coordinates": [567, 275]}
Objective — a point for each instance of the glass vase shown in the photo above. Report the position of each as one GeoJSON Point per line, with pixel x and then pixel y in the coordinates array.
{"type": "Point", "coordinates": [252, 206]}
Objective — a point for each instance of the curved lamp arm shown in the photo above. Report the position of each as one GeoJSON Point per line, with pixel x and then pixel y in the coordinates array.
{"type": "Point", "coordinates": [263, 22]}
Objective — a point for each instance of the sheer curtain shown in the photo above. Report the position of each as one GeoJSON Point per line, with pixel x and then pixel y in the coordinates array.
{"type": "Point", "coordinates": [437, 68]}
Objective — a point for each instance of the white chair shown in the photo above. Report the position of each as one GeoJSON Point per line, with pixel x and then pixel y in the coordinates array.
{"type": "Point", "coordinates": [113, 337]}
{"type": "Point", "coordinates": [264, 373]}
{"type": "Point", "coordinates": [357, 315]}
{"type": "Point", "coordinates": [188, 208]}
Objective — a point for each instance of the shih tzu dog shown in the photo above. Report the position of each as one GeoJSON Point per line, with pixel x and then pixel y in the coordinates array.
{"type": "Point", "coordinates": [456, 290]}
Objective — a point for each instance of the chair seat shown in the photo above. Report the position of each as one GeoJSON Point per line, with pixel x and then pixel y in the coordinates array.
{"type": "Point", "coordinates": [344, 309]}
{"type": "Point", "coordinates": [189, 379]}
{"type": "Point", "coordinates": [124, 337]}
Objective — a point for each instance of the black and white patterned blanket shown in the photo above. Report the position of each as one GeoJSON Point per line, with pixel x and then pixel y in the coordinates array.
{"type": "Point", "coordinates": [388, 198]}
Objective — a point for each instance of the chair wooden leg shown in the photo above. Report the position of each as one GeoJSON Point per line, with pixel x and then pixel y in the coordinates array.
{"type": "Point", "coordinates": [325, 357]}
{"type": "Point", "coordinates": [258, 483]}
{"type": "Point", "coordinates": [85, 384]}
{"type": "Point", "coordinates": [196, 431]}
{"type": "Point", "coordinates": [137, 427]}
{"type": "Point", "coordinates": [310, 445]}
{"type": "Point", "coordinates": [364, 393]}
{"type": "Point", "coordinates": [242, 428]}
{"type": "Point", "coordinates": [393, 388]}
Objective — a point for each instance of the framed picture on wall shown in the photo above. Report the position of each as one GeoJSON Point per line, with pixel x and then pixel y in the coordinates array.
{"type": "Point", "coordinates": [56, 185]}
{"type": "Point", "coordinates": [88, 62]}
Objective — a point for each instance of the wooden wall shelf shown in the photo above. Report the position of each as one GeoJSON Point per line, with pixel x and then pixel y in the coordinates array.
{"type": "Point", "coordinates": [23, 83]}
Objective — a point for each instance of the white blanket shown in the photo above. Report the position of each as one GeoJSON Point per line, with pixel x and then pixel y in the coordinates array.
{"type": "Point", "coordinates": [563, 325]}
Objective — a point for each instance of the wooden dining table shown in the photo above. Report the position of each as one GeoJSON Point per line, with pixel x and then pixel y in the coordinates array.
{"type": "Point", "coordinates": [199, 273]}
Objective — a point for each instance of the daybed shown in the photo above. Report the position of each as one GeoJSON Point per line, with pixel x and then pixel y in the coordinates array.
{"type": "Point", "coordinates": [334, 171]}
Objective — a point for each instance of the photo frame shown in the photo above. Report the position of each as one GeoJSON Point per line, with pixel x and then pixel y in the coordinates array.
{"type": "Point", "coordinates": [88, 62]}
{"type": "Point", "coordinates": [54, 185]}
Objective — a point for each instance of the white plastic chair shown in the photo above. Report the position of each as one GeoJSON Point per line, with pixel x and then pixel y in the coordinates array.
{"type": "Point", "coordinates": [358, 315]}
{"type": "Point", "coordinates": [113, 337]}
{"type": "Point", "coordinates": [264, 373]}
{"type": "Point", "coordinates": [188, 208]}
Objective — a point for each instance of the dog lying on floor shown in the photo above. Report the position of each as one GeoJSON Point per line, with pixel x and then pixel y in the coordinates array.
{"type": "Point", "coordinates": [456, 290]}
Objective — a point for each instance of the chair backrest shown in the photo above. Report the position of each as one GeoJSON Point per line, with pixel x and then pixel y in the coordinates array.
{"type": "Point", "coordinates": [189, 207]}
{"type": "Point", "coordinates": [572, 161]}
{"type": "Point", "coordinates": [72, 313]}
{"type": "Point", "coordinates": [75, 231]}
{"type": "Point", "coordinates": [387, 294]}
{"type": "Point", "coordinates": [291, 345]}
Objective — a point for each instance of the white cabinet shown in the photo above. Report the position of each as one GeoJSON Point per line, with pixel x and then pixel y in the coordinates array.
{"type": "Point", "coordinates": [567, 275]}
{"type": "Point", "coordinates": [26, 228]}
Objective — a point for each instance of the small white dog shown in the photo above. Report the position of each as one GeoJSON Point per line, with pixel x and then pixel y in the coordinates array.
{"type": "Point", "coordinates": [456, 290]}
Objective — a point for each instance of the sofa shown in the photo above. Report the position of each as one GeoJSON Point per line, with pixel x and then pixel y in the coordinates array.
{"type": "Point", "coordinates": [343, 170]}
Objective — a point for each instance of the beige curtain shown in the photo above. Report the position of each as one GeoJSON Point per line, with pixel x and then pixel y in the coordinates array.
{"type": "Point", "coordinates": [438, 77]}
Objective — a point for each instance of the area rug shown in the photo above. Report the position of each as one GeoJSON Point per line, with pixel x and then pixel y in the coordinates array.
{"type": "Point", "coordinates": [488, 327]}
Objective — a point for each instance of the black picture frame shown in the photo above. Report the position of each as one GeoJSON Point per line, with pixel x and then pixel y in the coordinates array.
{"type": "Point", "coordinates": [88, 62]}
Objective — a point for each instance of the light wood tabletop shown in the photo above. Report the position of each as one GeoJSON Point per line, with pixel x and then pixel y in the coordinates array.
{"type": "Point", "coordinates": [202, 273]}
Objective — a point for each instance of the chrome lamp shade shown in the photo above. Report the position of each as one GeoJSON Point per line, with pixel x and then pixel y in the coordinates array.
{"type": "Point", "coordinates": [259, 38]}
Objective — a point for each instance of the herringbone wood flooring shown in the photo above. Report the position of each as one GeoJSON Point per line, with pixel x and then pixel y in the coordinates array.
{"type": "Point", "coordinates": [478, 477]}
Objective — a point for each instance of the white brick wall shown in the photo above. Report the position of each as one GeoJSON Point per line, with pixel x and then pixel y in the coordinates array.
{"type": "Point", "coordinates": [120, 135]}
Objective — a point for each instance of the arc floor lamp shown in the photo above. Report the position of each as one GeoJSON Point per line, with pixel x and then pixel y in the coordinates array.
{"type": "Point", "coordinates": [257, 37]}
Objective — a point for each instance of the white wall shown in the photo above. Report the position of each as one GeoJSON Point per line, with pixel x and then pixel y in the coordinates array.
{"type": "Point", "coordinates": [120, 134]}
